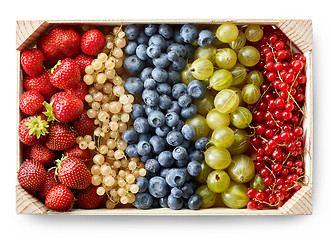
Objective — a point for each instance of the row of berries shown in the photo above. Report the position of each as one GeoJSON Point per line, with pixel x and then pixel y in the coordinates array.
{"type": "Point", "coordinates": [53, 108]}
{"type": "Point", "coordinates": [277, 121]}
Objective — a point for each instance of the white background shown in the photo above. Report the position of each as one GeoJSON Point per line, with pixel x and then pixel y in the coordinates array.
{"type": "Point", "coordinates": [127, 227]}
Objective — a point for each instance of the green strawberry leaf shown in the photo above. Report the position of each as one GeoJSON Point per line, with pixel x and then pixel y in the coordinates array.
{"type": "Point", "coordinates": [37, 126]}
{"type": "Point", "coordinates": [49, 111]}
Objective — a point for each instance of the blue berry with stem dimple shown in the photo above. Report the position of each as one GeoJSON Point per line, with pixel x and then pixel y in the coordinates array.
{"type": "Point", "coordinates": [158, 144]}
{"type": "Point", "coordinates": [143, 200]}
{"type": "Point", "coordinates": [152, 165]}
{"type": "Point", "coordinates": [141, 125]}
{"type": "Point", "coordinates": [150, 84]}
{"type": "Point", "coordinates": [178, 90]}
{"type": "Point", "coordinates": [141, 51]}
{"type": "Point", "coordinates": [166, 159]}
{"type": "Point", "coordinates": [175, 203]}
{"type": "Point", "coordinates": [189, 111]}
{"type": "Point", "coordinates": [205, 38]}
{"type": "Point", "coordinates": [174, 107]}
{"type": "Point", "coordinates": [179, 153]}
{"type": "Point", "coordinates": [160, 75]}
{"type": "Point", "coordinates": [166, 31]}
{"type": "Point", "coordinates": [171, 119]}
{"type": "Point", "coordinates": [134, 85]}
{"type": "Point", "coordinates": [188, 132]}
{"type": "Point", "coordinates": [176, 177]}
{"type": "Point", "coordinates": [176, 192]}
{"type": "Point", "coordinates": [179, 48]}
{"type": "Point", "coordinates": [161, 61]}
{"type": "Point", "coordinates": [132, 31]}
{"type": "Point", "coordinates": [150, 29]}
{"type": "Point", "coordinates": [158, 187]}
{"type": "Point", "coordinates": [163, 88]}
{"type": "Point", "coordinates": [150, 97]}
{"type": "Point", "coordinates": [201, 143]}
{"type": "Point", "coordinates": [189, 33]}
{"type": "Point", "coordinates": [153, 51]}
{"type": "Point", "coordinates": [130, 48]}
{"type": "Point", "coordinates": [146, 73]}
{"type": "Point", "coordinates": [142, 183]}
{"type": "Point", "coordinates": [162, 131]}
{"type": "Point", "coordinates": [157, 40]}
{"type": "Point", "coordinates": [178, 65]}
{"type": "Point", "coordinates": [195, 202]}
{"type": "Point", "coordinates": [143, 148]}
{"type": "Point", "coordinates": [184, 100]}
{"type": "Point", "coordinates": [133, 64]}
{"type": "Point", "coordinates": [131, 150]}
{"type": "Point", "coordinates": [196, 89]}
{"type": "Point", "coordinates": [156, 119]}
{"type": "Point", "coordinates": [194, 168]}
{"type": "Point", "coordinates": [130, 136]}
{"type": "Point", "coordinates": [173, 56]}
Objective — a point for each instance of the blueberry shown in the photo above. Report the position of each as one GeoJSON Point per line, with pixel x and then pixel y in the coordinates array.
{"type": "Point", "coordinates": [174, 138]}
{"type": "Point", "coordinates": [130, 136]}
{"type": "Point", "coordinates": [176, 177]}
{"type": "Point", "coordinates": [134, 85]}
{"type": "Point", "coordinates": [130, 48]}
{"type": "Point", "coordinates": [173, 56]}
{"type": "Point", "coordinates": [152, 165]}
{"type": "Point", "coordinates": [201, 143]}
{"type": "Point", "coordinates": [196, 89]}
{"type": "Point", "coordinates": [165, 102]}
{"type": "Point", "coordinates": [189, 111]}
{"type": "Point", "coordinates": [144, 159]}
{"type": "Point", "coordinates": [166, 31]}
{"type": "Point", "coordinates": [142, 38]}
{"type": "Point", "coordinates": [174, 107]}
{"type": "Point", "coordinates": [163, 88]}
{"type": "Point", "coordinates": [149, 109]}
{"type": "Point", "coordinates": [173, 77]}
{"type": "Point", "coordinates": [150, 97]}
{"type": "Point", "coordinates": [150, 29]}
{"type": "Point", "coordinates": [178, 90]}
{"type": "Point", "coordinates": [194, 168]}
{"type": "Point", "coordinates": [175, 203]}
{"type": "Point", "coordinates": [195, 202]}
{"type": "Point", "coordinates": [205, 38]}
{"type": "Point", "coordinates": [143, 200]}
{"type": "Point", "coordinates": [166, 159]}
{"type": "Point", "coordinates": [132, 31]}
{"type": "Point", "coordinates": [158, 187]}
{"type": "Point", "coordinates": [158, 40]}
{"type": "Point", "coordinates": [179, 48]}
{"type": "Point", "coordinates": [184, 100]}
{"type": "Point", "coordinates": [163, 202]}
{"type": "Point", "coordinates": [150, 84]}
{"type": "Point", "coordinates": [186, 144]}
{"type": "Point", "coordinates": [143, 148]}
{"type": "Point", "coordinates": [131, 150]}
{"type": "Point", "coordinates": [159, 75]}
{"type": "Point", "coordinates": [141, 51]}
{"type": "Point", "coordinates": [133, 65]}
{"type": "Point", "coordinates": [158, 144]}
{"type": "Point", "coordinates": [178, 65]}
{"type": "Point", "coordinates": [161, 61]}
{"type": "Point", "coordinates": [137, 111]}
{"type": "Point", "coordinates": [153, 51]}
{"type": "Point", "coordinates": [162, 131]}
{"type": "Point", "coordinates": [196, 155]}
{"type": "Point", "coordinates": [176, 192]}
{"type": "Point", "coordinates": [179, 126]}
{"type": "Point", "coordinates": [179, 153]}
{"type": "Point", "coordinates": [146, 73]}
{"type": "Point", "coordinates": [141, 125]}
{"type": "Point", "coordinates": [142, 183]}
{"type": "Point", "coordinates": [171, 119]}
{"type": "Point", "coordinates": [189, 50]}
{"type": "Point", "coordinates": [181, 163]}
{"type": "Point", "coordinates": [187, 190]}
{"type": "Point", "coordinates": [177, 37]}
{"type": "Point", "coordinates": [145, 136]}
{"type": "Point", "coordinates": [164, 172]}
{"type": "Point", "coordinates": [189, 33]}
{"type": "Point", "coordinates": [156, 119]}
{"type": "Point", "coordinates": [188, 132]}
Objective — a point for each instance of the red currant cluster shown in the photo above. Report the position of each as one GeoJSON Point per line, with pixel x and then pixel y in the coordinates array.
{"type": "Point", "coordinates": [278, 137]}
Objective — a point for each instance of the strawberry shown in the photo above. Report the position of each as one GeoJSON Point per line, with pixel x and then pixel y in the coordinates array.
{"type": "Point", "coordinates": [50, 182]}
{"type": "Point", "coordinates": [31, 175]}
{"type": "Point", "coordinates": [88, 198]}
{"type": "Point", "coordinates": [59, 43]}
{"type": "Point", "coordinates": [42, 154]}
{"type": "Point", "coordinates": [42, 84]}
{"type": "Point", "coordinates": [60, 137]}
{"type": "Point", "coordinates": [59, 198]}
{"type": "Point", "coordinates": [82, 154]}
{"type": "Point", "coordinates": [32, 62]}
{"type": "Point", "coordinates": [84, 125]}
{"type": "Point", "coordinates": [83, 61]}
{"type": "Point", "coordinates": [64, 107]}
{"type": "Point", "coordinates": [31, 102]}
{"type": "Point", "coordinates": [80, 91]}
{"type": "Point", "coordinates": [73, 173]}
{"type": "Point", "coordinates": [65, 74]}
{"type": "Point", "coordinates": [33, 129]}
{"type": "Point", "coordinates": [92, 42]}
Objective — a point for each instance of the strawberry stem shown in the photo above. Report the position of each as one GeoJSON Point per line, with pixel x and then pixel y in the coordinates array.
{"type": "Point", "coordinates": [37, 126]}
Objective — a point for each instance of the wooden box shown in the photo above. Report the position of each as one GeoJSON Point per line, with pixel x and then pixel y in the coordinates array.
{"type": "Point", "coordinates": [299, 31]}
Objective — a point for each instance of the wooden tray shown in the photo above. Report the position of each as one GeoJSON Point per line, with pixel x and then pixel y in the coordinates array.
{"type": "Point", "coordinates": [299, 31]}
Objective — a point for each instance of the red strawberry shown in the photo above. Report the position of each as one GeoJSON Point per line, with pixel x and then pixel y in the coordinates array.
{"type": "Point", "coordinates": [32, 62]}
{"type": "Point", "coordinates": [42, 84]}
{"type": "Point", "coordinates": [31, 102]}
{"type": "Point", "coordinates": [92, 42]}
{"type": "Point", "coordinates": [65, 74]}
{"type": "Point", "coordinates": [60, 137]}
{"type": "Point", "coordinates": [82, 154]}
{"type": "Point", "coordinates": [80, 91]}
{"type": "Point", "coordinates": [64, 107]}
{"type": "Point", "coordinates": [73, 173]}
{"type": "Point", "coordinates": [59, 43]}
{"type": "Point", "coordinates": [31, 175]}
{"type": "Point", "coordinates": [59, 198]}
{"type": "Point", "coordinates": [84, 125]}
{"type": "Point", "coordinates": [50, 182]}
{"type": "Point", "coordinates": [42, 154]}
{"type": "Point", "coordinates": [32, 130]}
{"type": "Point", "coordinates": [88, 198]}
{"type": "Point", "coordinates": [82, 61]}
